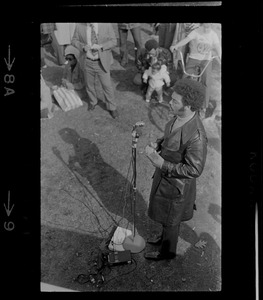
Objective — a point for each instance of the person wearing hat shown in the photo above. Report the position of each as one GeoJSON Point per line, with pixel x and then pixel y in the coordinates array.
{"type": "Point", "coordinates": [73, 77]}
{"type": "Point", "coordinates": [153, 53]}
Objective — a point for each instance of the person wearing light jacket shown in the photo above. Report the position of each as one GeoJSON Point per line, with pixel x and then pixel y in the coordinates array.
{"type": "Point", "coordinates": [95, 42]}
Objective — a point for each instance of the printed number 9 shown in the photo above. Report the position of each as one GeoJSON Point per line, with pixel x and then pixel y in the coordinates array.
{"type": "Point", "coordinates": [10, 226]}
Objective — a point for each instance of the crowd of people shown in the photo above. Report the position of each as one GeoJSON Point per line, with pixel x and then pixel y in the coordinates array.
{"type": "Point", "coordinates": [179, 156]}
{"type": "Point", "coordinates": [85, 50]}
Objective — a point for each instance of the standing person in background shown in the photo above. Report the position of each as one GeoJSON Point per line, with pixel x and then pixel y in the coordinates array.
{"type": "Point", "coordinates": [182, 30]}
{"type": "Point", "coordinates": [135, 29]}
{"type": "Point", "coordinates": [201, 42]}
{"type": "Point", "coordinates": [49, 28]}
{"type": "Point", "coordinates": [64, 33]}
{"type": "Point", "coordinates": [95, 41]}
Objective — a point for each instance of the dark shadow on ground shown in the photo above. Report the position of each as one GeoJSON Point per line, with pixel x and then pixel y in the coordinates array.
{"type": "Point", "coordinates": [110, 186]}
{"type": "Point", "coordinates": [215, 211]}
{"type": "Point", "coordinates": [53, 75]}
{"type": "Point", "coordinates": [203, 265]}
{"type": "Point", "coordinates": [158, 113]}
{"type": "Point", "coordinates": [124, 80]}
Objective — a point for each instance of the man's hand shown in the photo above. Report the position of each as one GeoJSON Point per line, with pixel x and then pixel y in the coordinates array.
{"type": "Point", "coordinates": [96, 47]}
{"type": "Point", "coordinates": [86, 48]}
{"type": "Point", "coordinates": [67, 84]}
{"type": "Point", "coordinates": [154, 157]}
{"type": "Point", "coordinates": [168, 84]}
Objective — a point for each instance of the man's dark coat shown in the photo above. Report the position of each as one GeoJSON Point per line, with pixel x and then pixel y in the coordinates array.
{"type": "Point", "coordinates": [173, 192]}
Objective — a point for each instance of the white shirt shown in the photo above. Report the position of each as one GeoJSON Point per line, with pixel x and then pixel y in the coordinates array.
{"type": "Point", "coordinates": [89, 53]}
{"type": "Point", "coordinates": [201, 44]}
{"type": "Point", "coordinates": [157, 80]}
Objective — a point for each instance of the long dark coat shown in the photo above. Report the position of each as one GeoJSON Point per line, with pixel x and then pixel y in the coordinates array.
{"type": "Point", "coordinates": [173, 192]}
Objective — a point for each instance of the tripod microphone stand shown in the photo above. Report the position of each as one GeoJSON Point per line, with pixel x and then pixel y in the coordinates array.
{"type": "Point", "coordinates": [134, 243]}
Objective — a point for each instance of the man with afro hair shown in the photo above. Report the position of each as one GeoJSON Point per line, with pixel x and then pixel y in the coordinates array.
{"type": "Point", "coordinates": [179, 158]}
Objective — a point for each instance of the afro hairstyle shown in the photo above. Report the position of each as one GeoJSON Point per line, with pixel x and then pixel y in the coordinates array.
{"type": "Point", "coordinates": [192, 92]}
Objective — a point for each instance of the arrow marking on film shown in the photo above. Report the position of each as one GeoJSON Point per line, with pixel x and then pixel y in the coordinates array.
{"type": "Point", "coordinates": [8, 211]}
{"type": "Point", "coordinates": [8, 64]}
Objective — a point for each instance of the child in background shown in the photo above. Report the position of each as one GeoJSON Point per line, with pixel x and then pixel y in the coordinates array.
{"type": "Point", "coordinates": [156, 75]}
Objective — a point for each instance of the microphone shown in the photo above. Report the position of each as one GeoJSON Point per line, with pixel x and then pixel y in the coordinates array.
{"type": "Point", "coordinates": [136, 128]}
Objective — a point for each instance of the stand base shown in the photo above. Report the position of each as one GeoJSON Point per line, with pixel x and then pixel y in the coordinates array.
{"type": "Point", "coordinates": [135, 244]}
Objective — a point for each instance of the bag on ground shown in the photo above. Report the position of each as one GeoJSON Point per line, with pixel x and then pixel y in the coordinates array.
{"type": "Point", "coordinates": [67, 99]}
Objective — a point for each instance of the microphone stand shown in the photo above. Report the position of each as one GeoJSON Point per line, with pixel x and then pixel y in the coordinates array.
{"type": "Point", "coordinates": [134, 243]}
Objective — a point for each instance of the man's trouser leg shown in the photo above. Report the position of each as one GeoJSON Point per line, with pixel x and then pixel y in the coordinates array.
{"type": "Point", "coordinates": [123, 34]}
{"type": "Point", "coordinates": [58, 49]}
{"type": "Point", "coordinates": [161, 34]}
{"type": "Point", "coordinates": [166, 34]}
{"type": "Point", "coordinates": [169, 239]}
{"type": "Point", "coordinates": [105, 80]}
{"type": "Point", "coordinates": [136, 33]}
{"type": "Point", "coordinates": [90, 80]}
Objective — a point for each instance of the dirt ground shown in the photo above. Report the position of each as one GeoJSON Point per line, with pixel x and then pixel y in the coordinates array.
{"type": "Point", "coordinates": [86, 183]}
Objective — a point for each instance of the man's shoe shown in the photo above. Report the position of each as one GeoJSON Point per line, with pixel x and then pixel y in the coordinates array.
{"type": "Point", "coordinates": [114, 113]}
{"type": "Point", "coordinates": [156, 240]}
{"type": "Point", "coordinates": [156, 255]}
